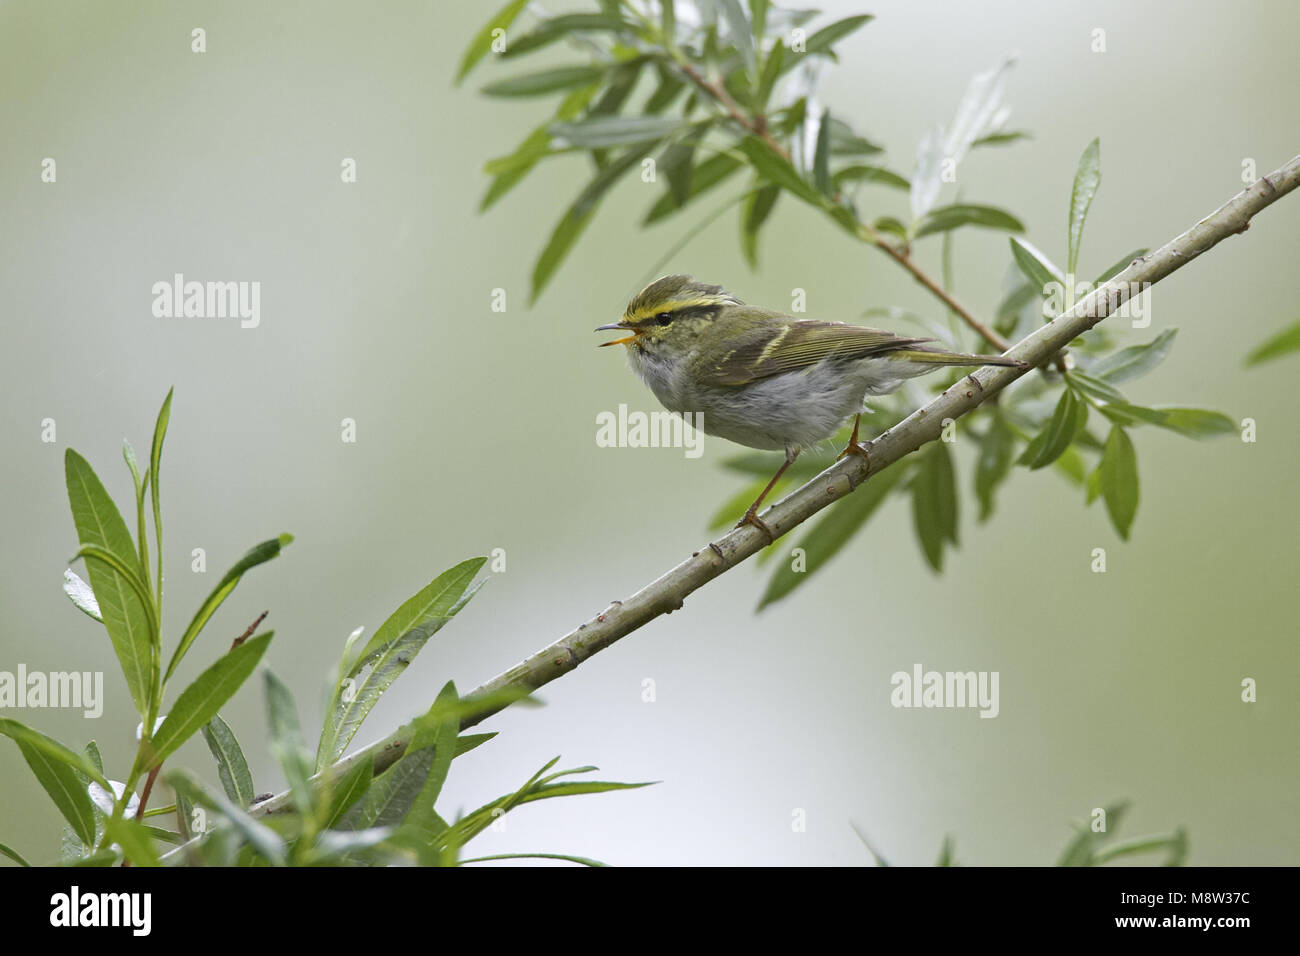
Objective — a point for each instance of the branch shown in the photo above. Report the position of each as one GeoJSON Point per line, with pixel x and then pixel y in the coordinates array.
{"type": "Point", "coordinates": [668, 593]}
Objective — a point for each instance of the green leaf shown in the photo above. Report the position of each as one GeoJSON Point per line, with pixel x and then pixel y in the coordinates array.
{"type": "Point", "coordinates": [822, 156]}
{"type": "Point", "coordinates": [258, 554]}
{"type": "Point", "coordinates": [1119, 480]}
{"type": "Point", "coordinates": [1284, 343]}
{"type": "Point", "coordinates": [771, 73]}
{"type": "Point", "coordinates": [232, 768]}
{"type": "Point", "coordinates": [1092, 487]}
{"type": "Point", "coordinates": [1119, 266]}
{"type": "Point", "coordinates": [127, 616]}
{"type": "Point", "coordinates": [575, 219]}
{"type": "Point", "coordinates": [755, 211]}
{"type": "Point", "coordinates": [1134, 361]}
{"type": "Point", "coordinates": [155, 487]}
{"type": "Point", "coordinates": [1004, 138]}
{"type": "Point", "coordinates": [287, 745]}
{"type": "Point", "coordinates": [1038, 269]}
{"type": "Point", "coordinates": [823, 39]}
{"type": "Point", "coordinates": [934, 503]}
{"type": "Point", "coordinates": [81, 595]}
{"type": "Point", "coordinates": [678, 162]}
{"type": "Point", "coordinates": [200, 702]}
{"type": "Point", "coordinates": [547, 81]}
{"type": "Point", "coordinates": [1050, 443]}
{"type": "Point", "coordinates": [1096, 387]}
{"type": "Point", "coordinates": [776, 170]}
{"type": "Point", "coordinates": [437, 729]}
{"type": "Point", "coordinates": [556, 28]}
{"type": "Point", "coordinates": [945, 218]}
{"type": "Point", "coordinates": [56, 768]}
{"type": "Point", "coordinates": [585, 861]}
{"type": "Point", "coordinates": [1191, 422]}
{"type": "Point", "coordinates": [831, 533]}
{"type": "Point", "coordinates": [997, 449]}
{"type": "Point", "coordinates": [134, 839]}
{"type": "Point", "coordinates": [482, 41]}
{"type": "Point", "coordinates": [392, 794]}
{"type": "Point", "coordinates": [845, 142]}
{"type": "Point", "coordinates": [869, 174]}
{"type": "Point", "coordinates": [510, 170]}
{"type": "Point", "coordinates": [1086, 180]}
{"type": "Point", "coordinates": [704, 177]}
{"type": "Point", "coordinates": [13, 855]}
{"type": "Point", "coordinates": [945, 853]}
{"type": "Point", "coordinates": [389, 652]}
{"type": "Point", "coordinates": [1080, 850]}
{"type": "Point", "coordinates": [265, 841]}
{"type": "Point", "coordinates": [739, 28]}
{"type": "Point", "coordinates": [344, 792]}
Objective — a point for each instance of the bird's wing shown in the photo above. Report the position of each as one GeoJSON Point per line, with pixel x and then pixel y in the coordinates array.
{"type": "Point", "coordinates": [773, 349]}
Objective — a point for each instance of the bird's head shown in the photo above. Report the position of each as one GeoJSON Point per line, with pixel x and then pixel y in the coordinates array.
{"type": "Point", "coordinates": [674, 309]}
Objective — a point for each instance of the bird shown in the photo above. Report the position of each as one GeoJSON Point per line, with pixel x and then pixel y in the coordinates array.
{"type": "Point", "coordinates": [762, 378]}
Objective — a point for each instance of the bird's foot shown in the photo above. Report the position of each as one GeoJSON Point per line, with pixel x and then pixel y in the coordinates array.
{"type": "Point", "coordinates": [854, 448]}
{"type": "Point", "coordinates": [752, 518]}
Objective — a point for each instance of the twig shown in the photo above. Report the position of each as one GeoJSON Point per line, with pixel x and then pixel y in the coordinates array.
{"type": "Point", "coordinates": [249, 633]}
{"type": "Point", "coordinates": [668, 593]}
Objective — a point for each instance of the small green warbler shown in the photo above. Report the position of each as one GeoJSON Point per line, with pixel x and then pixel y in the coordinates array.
{"type": "Point", "coordinates": [763, 378]}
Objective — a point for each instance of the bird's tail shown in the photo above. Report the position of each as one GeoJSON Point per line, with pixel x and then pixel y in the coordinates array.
{"type": "Point", "coordinates": [954, 358]}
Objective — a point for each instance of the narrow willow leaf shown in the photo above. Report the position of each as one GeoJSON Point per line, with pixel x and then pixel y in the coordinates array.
{"type": "Point", "coordinates": [1096, 387]}
{"type": "Point", "coordinates": [482, 42]}
{"type": "Point", "coordinates": [135, 840]}
{"type": "Point", "coordinates": [510, 170]}
{"type": "Point", "coordinates": [775, 169]}
{"type": "Point", "coordinates": [437, 729]}
{"type": "Point", "coordinates": [757, 207]}
{"type": "Point", "coordinates": [389, 652]}
{"type": "Point", "coordinates": [200, 702]}
{"type": "Point", "coordinates": [287, 745]}
{"type": "Point", "coordinates": [391, 795]}
{"type": "Point", "coordinates": [956, 215]}
{"type": "Point", "coordinates": [979, 112]}
{"type": "Point", "coordinates": [1005, 138]}
{"type": "Point", "coordinates": [772, 70]}
{"type": "Point", "coordinates": [708, 174]}
{"type": "Point", "coordinates": [232, 769]}
{"type": "Point", "coordinates": [1038, 269]}
{"type": "Point", "coordinates": [869, 174]}
{"type": "Point", "coordinates": [678, 162]}
{"type": "Point", "coordinates": [1119, 480]}
{"type": "Point", "coordinates": [1284, 343]}
{"type": "Point", "coordinates": [81, 595]}
{"type": "Point", "coordinates": [822, 156]}
{"type": "Point", "coordinates": [65, 789]}
{"type": "Point", "coordinates": [547, 81]}
{"type": "Point", "coordinates": [585, 861]}
{"type": "Point", "coordinates": [344, 842]}
{"type": "Point", "coordinates": [1056, 436]}
{"type": "Point", "coordinates": [575, 219]}
{"type": "Point", "coordinates": [1119, 266]}
{"type": "Point", "coordinates": [126, 616]}
{"type": "Point", "coordinates": [346, 791]}
{"type": "Point", "coordinates": [830, 534]}
{"type": "Point", "coordinates": [155, 489]}
{"type": "Point", "coordinates": [1086, 180]}
{"type": "Point", "coordinates": [1134, 361]}
{"type": "Point", "coordinates": [934, 504]}
{"type": "Point", "coordinates": [945, 853]}
{"type": "Point", "coordinates": [926, 178]}
{"type": "Point", "coordinates": [1191, 422]}
{"type": "Point", "coordinates": [557, 28]}
{"type": "Point", "coordinates": [997, 449]}
{"type": "Point", "coordinates": [258, 554]}
{"type": "Point", "coordinates": [13, 855]}
{"type": "Point", "coordinates": [823, 39]}
{"type": "Point", "coordinates": [892, 226]}
{"type": "Point", "coordinates": [845, 142]}
{"type": "Point", "coordinates": [1071, 464]}
{"type": "Point", "coordinates": [739, 29]}
{"type": "Point", "coordinates": [265, 841]}
{"type": "Point", "coordinates": [1092, 487]}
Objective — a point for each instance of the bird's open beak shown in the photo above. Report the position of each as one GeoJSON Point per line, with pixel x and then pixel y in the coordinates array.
{"type": "Point", "coordinates": [617, 326]}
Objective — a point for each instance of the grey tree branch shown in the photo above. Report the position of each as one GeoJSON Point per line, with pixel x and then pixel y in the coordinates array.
{"type": "Point", "coordinates": [668, 593]}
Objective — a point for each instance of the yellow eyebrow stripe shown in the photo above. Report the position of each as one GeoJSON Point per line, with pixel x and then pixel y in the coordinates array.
{"type": "Point", "coordinates": [647, 311]}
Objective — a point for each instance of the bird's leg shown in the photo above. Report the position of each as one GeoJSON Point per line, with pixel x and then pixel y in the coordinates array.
{"type": "Point", "coordinates": [853, 447]}
{"type": "Point", "coordinates": [751, 515]}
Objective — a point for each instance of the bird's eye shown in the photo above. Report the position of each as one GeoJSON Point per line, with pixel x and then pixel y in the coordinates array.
{"type": "Point", "coordinates": [663, 318]}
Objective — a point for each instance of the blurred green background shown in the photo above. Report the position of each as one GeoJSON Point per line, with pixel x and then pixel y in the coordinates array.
{"type": "Point", "coordinates": [476, 429]}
